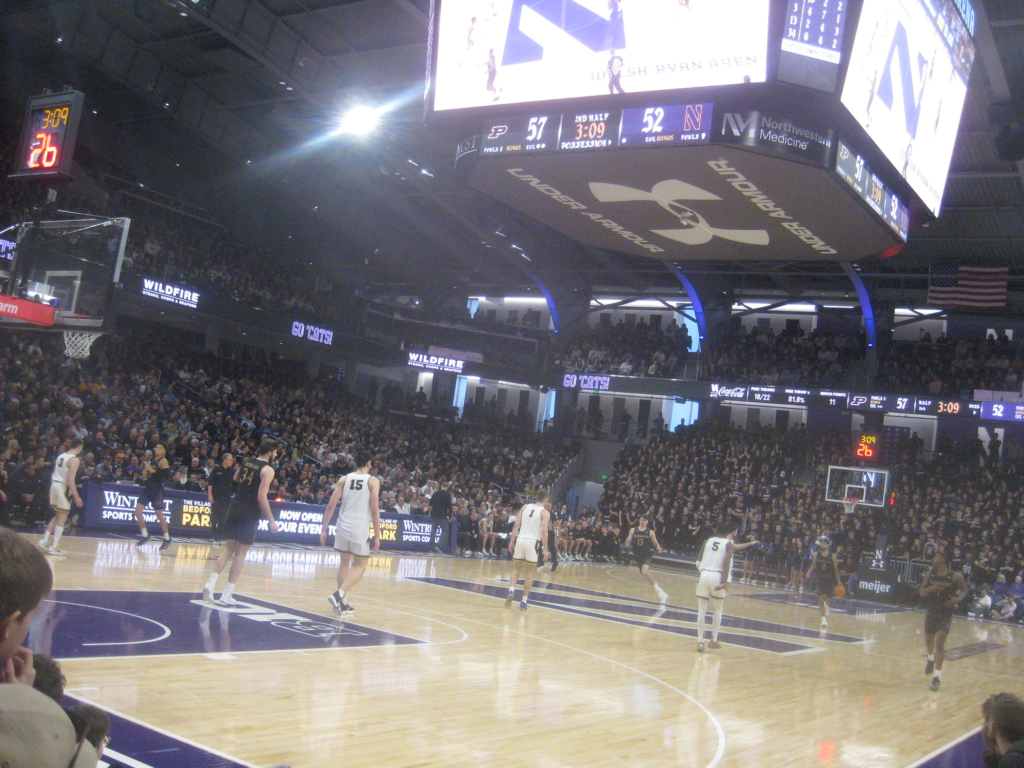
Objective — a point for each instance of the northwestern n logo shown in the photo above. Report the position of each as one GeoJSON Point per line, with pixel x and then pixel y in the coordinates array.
{"type": "Point", "coordinates": [900, 49]}
{"type": "Point", "coordinates": [567, 27]}
{"type": "Point", "coordinates": [695, 228]}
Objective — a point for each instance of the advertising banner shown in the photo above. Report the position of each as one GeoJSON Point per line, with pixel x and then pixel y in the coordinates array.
{"type": "Point", "coordinates": [111, 506]}
{"type": "Point", "coordinates": [701, 202]}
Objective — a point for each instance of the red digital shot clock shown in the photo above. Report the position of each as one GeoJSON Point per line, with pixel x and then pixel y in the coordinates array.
{"type": "Point", "coordinates": [867, 447]}
{"type": "Point", "coordinates": [48, 135]}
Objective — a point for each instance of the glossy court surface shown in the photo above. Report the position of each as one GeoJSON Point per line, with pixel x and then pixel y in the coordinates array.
{"type": "Point", "coordinates": [432, 670]}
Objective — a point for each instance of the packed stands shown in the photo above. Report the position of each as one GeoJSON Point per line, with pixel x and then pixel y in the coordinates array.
{"type": "Point", "coordinates": [134, 393]}
{"type": "Point", "coordinates": [625, 349]}
{"type": "Point", "coordinates": [771, 483]}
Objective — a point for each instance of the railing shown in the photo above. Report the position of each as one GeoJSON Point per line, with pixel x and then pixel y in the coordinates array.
{"type": "Point", "coordinates": [560, 487]}
{"type": "Point", "coordinates": [911, 572]}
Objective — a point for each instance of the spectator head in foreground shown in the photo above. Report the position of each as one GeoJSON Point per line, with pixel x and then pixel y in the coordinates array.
{"type": "Point", "coordinates": [92, 724]}
{"type": "Point", "coordinates": [49, 678]}
{"type": "Point", "coordinates": [36, 733]}
{"type": "Point", "coordinates": [25, 579]}
{"type": "Point", "coordinates": [1003, 730]}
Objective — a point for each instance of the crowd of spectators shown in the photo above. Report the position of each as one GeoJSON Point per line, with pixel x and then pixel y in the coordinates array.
{"type": "Point", "coordinates": [953, 367]}
{"type": "Point", "coordinates": [132, 394]}
{"type": "Point", "coordinates": [625, 349]}
{"type": "Point", "coordinates": [772, 483]}
{"type": "Point", "coordinates": [171, 246]}
{"type": "Point", "coordinates": [791, 357]}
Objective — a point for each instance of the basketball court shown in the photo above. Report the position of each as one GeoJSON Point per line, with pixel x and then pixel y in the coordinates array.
{"type": "Point", "coordinates": [432, 670]}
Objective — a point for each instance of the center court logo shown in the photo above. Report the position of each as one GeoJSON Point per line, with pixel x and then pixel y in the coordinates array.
{"type": "Point", "coordinates": [670, 195]}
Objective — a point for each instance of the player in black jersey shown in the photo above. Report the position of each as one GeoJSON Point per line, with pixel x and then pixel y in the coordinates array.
{"type": "Point", "coordinates": [154, 475]}
{"type": "Point", "coordinates": [824, 577]}
{"type": "Point", "coordinates": [942, 590]}
{"type": "Point", "coordinates": [644, 543]}
{"type": "Point", "coordinates": [252, 478]}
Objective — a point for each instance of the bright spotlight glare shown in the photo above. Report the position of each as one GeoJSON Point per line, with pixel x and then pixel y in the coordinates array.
{"type": "Point", "coordinates": [360, 120]}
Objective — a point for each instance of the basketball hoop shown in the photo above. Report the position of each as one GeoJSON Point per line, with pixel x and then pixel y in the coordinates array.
{"type": "Point", "coordinates": [78, 343]}
{"type": "Point", "coordinates": [850, 505]}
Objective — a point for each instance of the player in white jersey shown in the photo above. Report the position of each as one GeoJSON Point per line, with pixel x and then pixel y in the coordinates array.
{"type": "Point", "coordinates": [63, 488]}
{"type": "Point", "coordinates": [715, 565]}
{"type": "Point", "coordinates": [529, 538]}
{"type": "Point", "coordinates": [359, 494]}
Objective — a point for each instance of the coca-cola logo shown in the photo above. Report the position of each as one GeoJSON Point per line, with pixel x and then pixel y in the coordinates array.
{"type": "Point", "coordinates": [733, 393]}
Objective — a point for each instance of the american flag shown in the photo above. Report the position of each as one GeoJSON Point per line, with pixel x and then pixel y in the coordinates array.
{"type": "Point", "coordinates": [967, 287]}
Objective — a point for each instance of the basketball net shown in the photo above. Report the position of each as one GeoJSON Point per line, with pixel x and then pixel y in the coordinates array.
{"type": "Point", "coordinates": [78, 343]}
{"type": "Point", "coordinates": [850, 505]}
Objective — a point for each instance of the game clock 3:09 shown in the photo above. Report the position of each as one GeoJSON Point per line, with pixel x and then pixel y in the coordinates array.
{"type": "Point", "coordinates": [592, 130]}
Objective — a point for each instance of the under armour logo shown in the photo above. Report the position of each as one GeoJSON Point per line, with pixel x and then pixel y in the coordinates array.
{"type": "Point", "coordinates": [667, 194]}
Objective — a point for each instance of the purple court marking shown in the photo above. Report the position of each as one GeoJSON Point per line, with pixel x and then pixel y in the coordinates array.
{"type": "Point", "coordinates": [672, 612]}
{"type": "Point", "coordinates": [652, 616]}
{"type": "Point", "coordinates": [144, 747]}
{"type": "Point", "coordinates": [73, 624]}
{"type": "Point", "coordinates": [679, 613]}
{"type": "Point", "coordinates": [965, 752]}
{"type": "Point", "coordinates": [974, 649]}
{"type": "Point", "coordinates": [839, 605]}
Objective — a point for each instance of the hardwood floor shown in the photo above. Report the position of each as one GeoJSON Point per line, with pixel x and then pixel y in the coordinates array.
{"type": "Point", "coordinates": [432, 670]}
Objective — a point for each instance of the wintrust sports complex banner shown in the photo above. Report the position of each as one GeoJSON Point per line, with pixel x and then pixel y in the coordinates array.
{"type": "Point", "coordinates": [111, 506]}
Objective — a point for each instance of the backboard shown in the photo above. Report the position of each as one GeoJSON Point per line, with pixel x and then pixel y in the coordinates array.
{"type": "Point", "coordinates": [869, 486]}
{"type": "Point", "coordinates": [72, 262]}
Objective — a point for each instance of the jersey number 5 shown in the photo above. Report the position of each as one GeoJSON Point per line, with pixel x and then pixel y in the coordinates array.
{"type": "Point", "coordinates": [355, 485]}
{"type": "Point", "coordinates": [714, 547]}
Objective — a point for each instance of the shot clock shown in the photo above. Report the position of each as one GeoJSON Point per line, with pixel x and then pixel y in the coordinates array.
{"type": "Point", "coordinates": [48, 135]}
{"type": "Point", "coordinates": [867, 447]}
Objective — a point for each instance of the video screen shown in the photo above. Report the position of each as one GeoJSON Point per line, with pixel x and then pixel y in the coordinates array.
{"type": "Point", "coordinates": [521, 51]}
{"type": "Point", "coordinates": [907, 83]}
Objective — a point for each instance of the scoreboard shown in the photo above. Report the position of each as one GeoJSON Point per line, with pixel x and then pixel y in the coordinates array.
{"type": "Point", "coordinates": [656, 125]}
{"type": "Point", "coordinates": [864, 401]}
{"type": "Point", "coordinates": [812, 42]}
{"type": "Point", "coordinates": [853, 169]}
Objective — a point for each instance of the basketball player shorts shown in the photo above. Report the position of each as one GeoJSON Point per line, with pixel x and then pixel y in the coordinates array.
{"type": "Point", "coordinates": [937, 621]}
{"type": "Point", "coordinates": [152, 495]}
{"type": "Point", "coordinates": [526, 549]}
{"type": "Point", "coordinates": [643, 558]}
{"type": "Point", "coordinates": [241, 523]}
{"type": "Point", "coordinates": [707, 583]}
{"type": "Point", "coordinates": [59, 497]}
{"type": "Point", "coordinates": [825, 586]}
{"type": "Point", "coordinates": [344, 544]}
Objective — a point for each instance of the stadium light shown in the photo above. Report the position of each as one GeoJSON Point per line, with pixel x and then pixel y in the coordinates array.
{"type": "Point", "coordinates": [360, 120]}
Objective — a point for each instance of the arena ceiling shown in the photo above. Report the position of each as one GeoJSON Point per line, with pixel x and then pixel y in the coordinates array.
{"type": "Point", "coordinates": [232, 103]}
